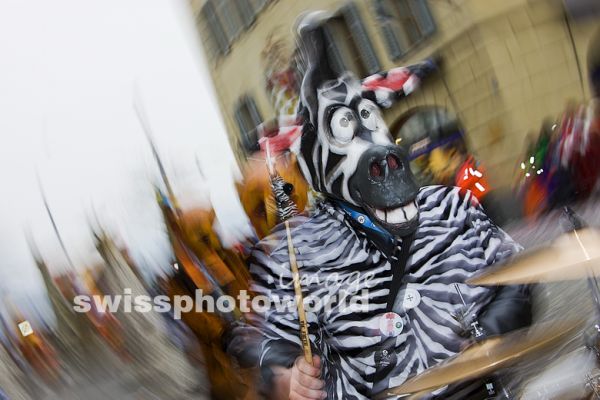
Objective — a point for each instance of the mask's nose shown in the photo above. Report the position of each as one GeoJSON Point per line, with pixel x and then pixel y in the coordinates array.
{"type": "Point", "coordinates": [384, 164]}
{"type": "Point", "coordinates": [383, 178]}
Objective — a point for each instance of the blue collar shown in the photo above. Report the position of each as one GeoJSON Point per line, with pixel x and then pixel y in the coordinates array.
{"type": "Point", "coordinates": [363, 220]}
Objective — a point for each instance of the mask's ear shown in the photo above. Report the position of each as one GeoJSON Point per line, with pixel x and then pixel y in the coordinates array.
{"type": "Point", "coordinates": [314, 62]}
{"type": "Point", "coordinates": [384, 88]}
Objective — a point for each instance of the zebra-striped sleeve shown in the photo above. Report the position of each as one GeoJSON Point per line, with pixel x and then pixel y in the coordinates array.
{"type": "Point", "coordinates": [496, 243]}
{"type": "Point", "coordinates": [510, 307]}
{"type": "Point", "coordinates": [272, 281]}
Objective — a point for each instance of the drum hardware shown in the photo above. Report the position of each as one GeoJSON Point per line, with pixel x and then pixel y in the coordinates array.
{"type": "Point", "coordinates": [487, 356]}
{"type": "Point", "coordinates": [574, 225]}
{"type": "Point", "coordinates": [592, 335]}
{"type": "Point", "coordinates": [592, 340]}
{"type": "Point", "coordinates": [505, 392]}
{"type": "Point", "coordinates": [592, 383]}
{"type": "Point", "coordinates": [467, 317]}
{"type": "Point", "coordinates": [574, 255]}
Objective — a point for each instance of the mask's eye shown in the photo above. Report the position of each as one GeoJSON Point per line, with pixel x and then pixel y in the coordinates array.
{"type": "Point", "coordinates": [369, 114]}
{"type": "Point", "coordinates": [343, 124]}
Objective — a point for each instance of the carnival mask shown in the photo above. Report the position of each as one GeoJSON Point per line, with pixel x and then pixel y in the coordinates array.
{"type": "Point", "coordinates": [346, 151]}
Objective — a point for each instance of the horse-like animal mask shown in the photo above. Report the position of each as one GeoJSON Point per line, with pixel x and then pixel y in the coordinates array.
{"type": "Point", "coordinates": [346, 151]}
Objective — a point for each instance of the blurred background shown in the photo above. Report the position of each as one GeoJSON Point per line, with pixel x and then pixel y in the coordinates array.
{"type": "Point", "coordinates": [132, 156]}
{"type": "Point", "coordinates": [510, 73]}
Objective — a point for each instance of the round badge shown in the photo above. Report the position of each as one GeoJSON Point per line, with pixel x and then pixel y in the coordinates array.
{"type": "Point", "coordinates": [385, 359]}
{"type": "Point", "coordinates": [412, 298]}
{"type": "Point", "coordinates": [390, 324]}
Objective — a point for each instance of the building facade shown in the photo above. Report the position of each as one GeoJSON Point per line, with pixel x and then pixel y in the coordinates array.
{"type": "Point", "coordinates": [506, 64]}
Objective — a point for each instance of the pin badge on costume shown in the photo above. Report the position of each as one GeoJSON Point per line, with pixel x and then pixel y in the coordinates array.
{"type": "Point", "coordinates": [385, 358]}
{"type": "Point", "coordinates": [406, 300]}
{"type": "Point", "coordinates": [390, 324]}
{"type": "Point", "coordinates": [412, 298]}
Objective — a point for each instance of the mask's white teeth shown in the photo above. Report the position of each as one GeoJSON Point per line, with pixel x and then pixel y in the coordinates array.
{"type": "Point", "coordinates": [411, 210]}
{"type": "Point", "coordinates": [398, 215]}
{"type": "Point", "coordinates": [395, 216]}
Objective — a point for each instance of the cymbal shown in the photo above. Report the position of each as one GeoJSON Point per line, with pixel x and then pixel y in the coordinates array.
{"type": "Point", "coordinates": [484, 357]}
{"type": "Point", "coordinates": [575, 255]}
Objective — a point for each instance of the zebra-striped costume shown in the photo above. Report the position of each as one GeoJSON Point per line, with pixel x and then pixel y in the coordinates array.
{"type": "Point", "coordinates": [454, 239]}
{"type": "Point", "coordinates": [378, 232]}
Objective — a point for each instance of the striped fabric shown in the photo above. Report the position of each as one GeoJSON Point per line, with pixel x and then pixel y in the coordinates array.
{"type": "Point", "coordinates": [454, 239]}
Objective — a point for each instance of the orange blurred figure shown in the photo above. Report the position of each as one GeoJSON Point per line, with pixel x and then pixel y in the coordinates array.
{"type": "Point", "coordinates": [223, 271]}
{"type": "Point", "coordinates": [256, 195]}
{"type": "Point", "coordinates": [106, 325]}
{"type": "Point", "coordinates": [39, 353]}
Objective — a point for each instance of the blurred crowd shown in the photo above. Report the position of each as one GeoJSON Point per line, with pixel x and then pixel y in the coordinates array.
{"type": "Point", "coordinates": [171, 358]}
{"type": "Point", "coordinates": [561, 165]}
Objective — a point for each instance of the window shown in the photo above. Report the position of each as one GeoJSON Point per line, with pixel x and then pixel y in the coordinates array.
{"type": "Point", "coordinates": [349, 47]}
{"type": "Point", "coordinates": [425, 127]}
{"type": "Point", "coordinates": [218, 39]}
{"type": "Point", "coordinates": [404, 23]}
{"type": "Point", "coordinates": [594, 63]}
{"type": "Point", "coordinates": [434, 140]}
{"type": "Point", "coordinates": [583, 9]}
{"type": "Point", "coordinates": [248, 119]}
{"type": "Point", "coordinates": [227, 19]}
{"type": "Point", "coordinates": [231, 20]}
{"type": "Point", "coordinates": [257, 5]}
{"type": "Point", "coordinates": [247, 12]}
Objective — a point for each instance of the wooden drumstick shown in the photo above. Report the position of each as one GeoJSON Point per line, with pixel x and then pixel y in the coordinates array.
{"type": "Point", "coordinates": [304, 338]}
